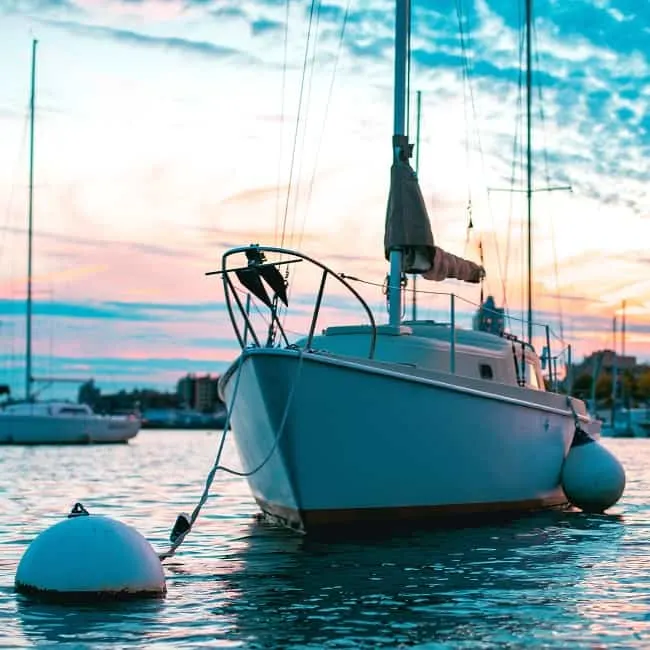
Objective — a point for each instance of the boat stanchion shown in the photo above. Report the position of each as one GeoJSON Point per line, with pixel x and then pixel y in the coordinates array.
{"type": "Point", "coordinates": [87, 558]}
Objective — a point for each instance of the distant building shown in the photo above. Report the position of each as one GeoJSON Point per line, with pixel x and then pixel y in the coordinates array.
{"type": "Point", "coordinates": [185, 391]}
{"type": "Point", "coordinates": [199, 393]}
{"type": "Point", "coordinates": [605, 359]}
{"type": "Point", "coordinates": [205, 393]}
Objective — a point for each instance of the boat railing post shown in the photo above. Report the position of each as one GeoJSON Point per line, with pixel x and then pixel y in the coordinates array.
{"type": "Point", "coordinates": [452, 334]}
{"type": "Point", "coordinates": [319, 300]}
{"type": "Point", "coordinates": [569, 370]}
{"type": "Point", "coordinates": [248, 313]}
{"type": "Point", "coordinates": [242, 310]}
{"type": "Point", "coordinates": [548, 355]}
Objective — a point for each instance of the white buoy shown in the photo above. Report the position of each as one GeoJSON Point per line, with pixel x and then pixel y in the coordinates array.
{"type": "Point", "coordinates": [90, 557]}
{"type": "Point", "coordinates": [593, 479]}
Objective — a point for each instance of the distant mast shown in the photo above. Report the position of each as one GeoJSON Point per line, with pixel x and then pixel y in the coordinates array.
{"type": "Point", "coordinates": [28, 314]}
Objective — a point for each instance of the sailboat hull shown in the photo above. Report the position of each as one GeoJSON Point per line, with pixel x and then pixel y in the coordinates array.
{"type": "Point", "coordinates": [359, 441]}
{"type": "Point", "coordinates": [35, 429]}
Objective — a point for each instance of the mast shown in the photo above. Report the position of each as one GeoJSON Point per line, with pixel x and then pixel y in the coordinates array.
{"type": "Point", "coordinates": [623, 331]}
{"type": "Point", "coordinates": [28, 311]}
{"type": "Point", "coordinates": [529, 163]}
{"type": "Point", "coordinates": [402, 18]}
{"type": "Point", "coordinates": [414, 306]}
{"type": "Point", "coordinates": [625, 403]}
{"type": "Point", "coordinates": [614, 375]}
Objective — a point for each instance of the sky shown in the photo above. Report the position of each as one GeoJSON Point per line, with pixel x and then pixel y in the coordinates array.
{"type": "Point", "coordinates": [168, 131]}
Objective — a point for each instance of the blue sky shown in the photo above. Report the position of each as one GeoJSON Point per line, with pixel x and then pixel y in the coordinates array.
{"type": "Point", "coordinates": [165, 131]}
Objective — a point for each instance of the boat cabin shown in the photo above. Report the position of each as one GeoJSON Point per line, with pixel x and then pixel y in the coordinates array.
{"type": "Point", "coordinates": [66, 409]}
{"type": "Point", "coordinates": [428, 345]}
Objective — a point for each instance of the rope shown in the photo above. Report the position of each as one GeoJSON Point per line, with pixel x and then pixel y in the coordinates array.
{"type": "Point", "coordinates": [185, 523]}
{"type": "Point", "coordinates": [177, 537]}
{"type": "Point", "coordinates": [281, 428]}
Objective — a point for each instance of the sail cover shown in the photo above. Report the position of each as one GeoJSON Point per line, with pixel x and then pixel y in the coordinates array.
{"type": "Point", "coordinates": [408, 228]}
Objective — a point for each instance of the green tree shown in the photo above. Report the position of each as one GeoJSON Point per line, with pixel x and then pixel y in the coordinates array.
{"type": "Point", "coordinates": [582, 386]}
{"type": "Point", "coordinates": [604, 388]}
{"type": "Point", "coordinates": [643, 386]}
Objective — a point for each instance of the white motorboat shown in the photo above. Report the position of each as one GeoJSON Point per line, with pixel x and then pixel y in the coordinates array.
{"type": "Point", "coordinates": [404, 421]}
{"type": "Point", "coordinates": [42, 423]}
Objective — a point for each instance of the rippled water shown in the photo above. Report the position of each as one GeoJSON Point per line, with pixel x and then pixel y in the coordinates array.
{"type": "Point", "coordinates": [552, 580]}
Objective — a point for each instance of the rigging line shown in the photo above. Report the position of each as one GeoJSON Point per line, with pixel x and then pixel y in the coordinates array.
{"type": "Point", "coordinates": [465, 47]}
{"type": "Point", "coordinates": [308, 72]}
{"type": "Point", "coordinates": [312, 180]}
{"type": "Point", "coordinates": [324, 124]}
{"type": "Point", "coordinates": [282, 116]}
{"type": "Point", "coordinates": [310, 75]}
{"type": "Point", "coordinates": [10, 201]}
{"type": "Point", "coordinates": [295, 135]}
{"type": "Point", "coordinates": [383, 285]}
{"type": "Point", "coordinates": [548, 183]}
{"type": "Point", "coordinates": [516, 144]}
{"type": "Point", "coordinates": [465, 93]}
{"type": "Point", "coordinates": [459, 14]}
{"type": "Point", "coordinates": [282, 312]}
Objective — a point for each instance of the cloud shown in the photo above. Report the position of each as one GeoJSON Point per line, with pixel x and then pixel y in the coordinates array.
{"type": "Point", "coordinates": [37, 6]}
{"type": "Point", "coordinates": [592, 63]}
{"type": "Point", "coordinates": [87, 242]}
{"type": "Point", "coordinates": [110, 310]}
{"type": "Point", "coordinates": [265, 26]}
{"type": "Point", "coordinates": [178, 308]}
{"type": "Point", "coordinates": [188, 46]}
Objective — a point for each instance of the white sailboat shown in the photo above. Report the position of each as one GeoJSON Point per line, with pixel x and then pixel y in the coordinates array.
{"type": "Point", "coordinates": [396, 422]}
{"type": "Point", "coordinates": [53, 422]}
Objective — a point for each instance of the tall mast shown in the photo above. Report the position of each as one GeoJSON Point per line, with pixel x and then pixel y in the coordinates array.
{"type": "Point", "coordinates": [402, 18]}
{"type": "Point", "coordinates": [414, 306]}
{"type": "Point", "coordinates": [529, 162]}
{"type": "Point", "coordinates": [28, 332]}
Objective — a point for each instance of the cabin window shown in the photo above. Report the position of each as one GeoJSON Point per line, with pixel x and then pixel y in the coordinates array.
{"type": "Point", "coordinates": [486, 371]}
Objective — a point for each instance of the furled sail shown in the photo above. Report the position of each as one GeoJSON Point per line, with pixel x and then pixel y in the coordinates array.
{"type": "Point", "coordinates": [408, 228]}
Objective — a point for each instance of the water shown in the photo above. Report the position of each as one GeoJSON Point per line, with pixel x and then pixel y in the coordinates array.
{"type": "Point", "coordinates": [554, 580]}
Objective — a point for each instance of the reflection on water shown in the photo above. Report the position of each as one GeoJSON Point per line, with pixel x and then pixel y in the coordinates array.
{"type": "Point", "coordinates": [111, 624]}
{"type": "Point", "coordinates": [549, 580]}
{"type": "Point", "coordinates": [485, 584]}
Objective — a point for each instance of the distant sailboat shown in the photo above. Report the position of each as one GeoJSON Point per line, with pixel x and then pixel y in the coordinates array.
{"type": "Point", "coordinates": [55, 422]}
{"type": "Point", "coordinates": [625, 422]}
{"type": "Point", "coordinates": [396, 422]}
